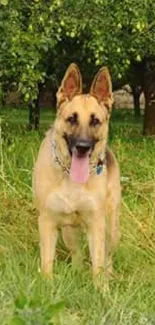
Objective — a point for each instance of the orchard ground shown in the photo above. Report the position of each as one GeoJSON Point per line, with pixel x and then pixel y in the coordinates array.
{"type": "Point", "coordinates": [25, 297]}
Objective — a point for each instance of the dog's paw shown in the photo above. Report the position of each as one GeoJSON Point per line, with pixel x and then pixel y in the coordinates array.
{"type": "Point", "coordinates": [46, 272]}
{"type": "Point", "coordinates": [101, 282]}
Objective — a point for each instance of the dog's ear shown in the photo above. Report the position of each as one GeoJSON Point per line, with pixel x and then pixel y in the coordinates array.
{"type": "Point", "coordinates": [101, 88]}
{"type": "Point", "coordinates": [71, 84]}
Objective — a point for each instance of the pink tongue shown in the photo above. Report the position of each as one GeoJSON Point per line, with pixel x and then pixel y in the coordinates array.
{"type": "Point", "coordinates": [79, 171]}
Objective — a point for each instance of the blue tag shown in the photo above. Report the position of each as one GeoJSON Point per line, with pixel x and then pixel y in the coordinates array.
{"type": "Point", "coordinates": [99, 169]}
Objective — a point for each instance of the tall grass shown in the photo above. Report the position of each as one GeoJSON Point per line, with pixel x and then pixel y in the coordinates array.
{"type": "Point", "coordinates": [28, 299]}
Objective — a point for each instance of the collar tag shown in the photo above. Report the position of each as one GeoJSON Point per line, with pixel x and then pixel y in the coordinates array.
{"type": "Point", "coordinates": [100, 166]}
{"type": "Point", "coordinates": [99, 169]}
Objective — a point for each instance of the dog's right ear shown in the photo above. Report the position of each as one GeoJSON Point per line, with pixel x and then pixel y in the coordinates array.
{"type": "Point", "coordinates": [71, 84]}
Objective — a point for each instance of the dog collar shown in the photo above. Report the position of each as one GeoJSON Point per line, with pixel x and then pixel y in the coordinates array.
{"type": "Point", "coordinates": [95, 169]}
{"type": "Point", "coordinates": [57, 160]}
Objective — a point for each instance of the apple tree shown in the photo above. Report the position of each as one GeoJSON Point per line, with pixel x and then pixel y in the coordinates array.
{"type": "Point", "coordinates": [123, 36]}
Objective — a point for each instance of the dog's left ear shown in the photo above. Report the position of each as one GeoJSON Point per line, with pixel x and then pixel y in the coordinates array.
{"type": "Point", "coordinates": [71, 84]}
{"type": "Point", "coordinates": [101, 88]}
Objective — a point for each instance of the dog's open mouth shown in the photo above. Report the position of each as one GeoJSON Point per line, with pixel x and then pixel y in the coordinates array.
{"type": "Point", "coordinates": [80, 150]}
{"type": "Point", "coordinates": [79, 171]}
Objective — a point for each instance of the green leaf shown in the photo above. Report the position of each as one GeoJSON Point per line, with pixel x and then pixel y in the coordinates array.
{"type": "Point", "coordinates": [4, 2]}
{"type": "Point", "coordinates": [20, 302]}
{"type": "Point", "coordinates": [35, 302]}
{"type": "Point", "coordinates": [55, 308]}
{"type": "Point", "coordinates": [17, 320]}
{"type": "Point", "coordinates": [26, 97]}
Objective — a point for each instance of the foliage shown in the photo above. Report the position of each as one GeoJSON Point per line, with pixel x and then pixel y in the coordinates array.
{"type": "Point", "coordinates": [120, 32]}
{"type": "Point", "coordinates": [27, 33]}
{"type": "Point", "coordinates": [39, 39]}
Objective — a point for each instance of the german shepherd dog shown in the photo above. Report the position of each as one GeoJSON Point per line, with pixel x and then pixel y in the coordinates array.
{"type": "Point", "coordinates": [76, 178]}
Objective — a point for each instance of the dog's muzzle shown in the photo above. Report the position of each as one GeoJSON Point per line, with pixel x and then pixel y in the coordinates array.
{"type": "Point", "coordinates": [83, 146]}
{"type": "Point", "coordinates": [80, 145]}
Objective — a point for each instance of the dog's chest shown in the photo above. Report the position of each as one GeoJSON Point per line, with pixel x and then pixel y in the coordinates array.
{"type": "Point", "coordinates": [72, 204]}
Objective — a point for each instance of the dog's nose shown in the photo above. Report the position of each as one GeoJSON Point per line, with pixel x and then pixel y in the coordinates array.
{"type": "Point", "coordinates": [83, 146]}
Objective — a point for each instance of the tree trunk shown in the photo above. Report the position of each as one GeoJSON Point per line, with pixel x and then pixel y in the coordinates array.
{"type": "Point", "coordinates": [149, 92]}
{"type": "Point", "coordinates": [31, 116]}
{"type": "Point", "coordinates": [136, 92]}
{"type": "Point", "coordinates": [34, 114]}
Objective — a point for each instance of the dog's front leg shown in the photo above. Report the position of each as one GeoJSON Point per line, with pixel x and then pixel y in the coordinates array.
{"type": "Point", "coordinates": [96, 240]}
{"type": "Point", "coordinates": [48, 238]}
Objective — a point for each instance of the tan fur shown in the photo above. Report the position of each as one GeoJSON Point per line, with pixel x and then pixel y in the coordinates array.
{"type": "Point", "coordinates": [63, 204]}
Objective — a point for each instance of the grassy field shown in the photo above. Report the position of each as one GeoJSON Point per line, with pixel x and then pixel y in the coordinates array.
{"type": "Point", "coordinates": [28, 299]}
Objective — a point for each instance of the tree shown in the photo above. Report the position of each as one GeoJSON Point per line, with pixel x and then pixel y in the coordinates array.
{"type": "Point", "coordinates": [120, 34]}
{"type": "Point", "coordinates": [123, 34]}
{"type": "Point", "coordinates": [34, 37]}
{"type": "Point", "coordinates": [149, 91]}
{"type": "Point", "coordinates": [28, 33]}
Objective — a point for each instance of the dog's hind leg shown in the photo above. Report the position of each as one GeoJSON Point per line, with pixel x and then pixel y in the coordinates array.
{"type": "Point", "coordinates": [48, 238]}
{"type": "Point", "coordinates": [70, 236]}
{"type": "Point", "coordinates": [113, 237]}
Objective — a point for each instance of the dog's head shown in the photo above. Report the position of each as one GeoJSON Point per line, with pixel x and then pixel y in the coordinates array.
{"type": "Point", "coordinates": [82, 119]}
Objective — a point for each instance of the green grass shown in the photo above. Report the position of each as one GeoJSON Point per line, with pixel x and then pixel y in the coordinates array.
{"type": "Point", "coordinates": [28, 299]}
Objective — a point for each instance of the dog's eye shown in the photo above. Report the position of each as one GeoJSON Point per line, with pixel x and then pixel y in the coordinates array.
{"type": "Point", "coordinates": [72, 119]}
{"type": "Point", "coordinates": [94, 121]}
